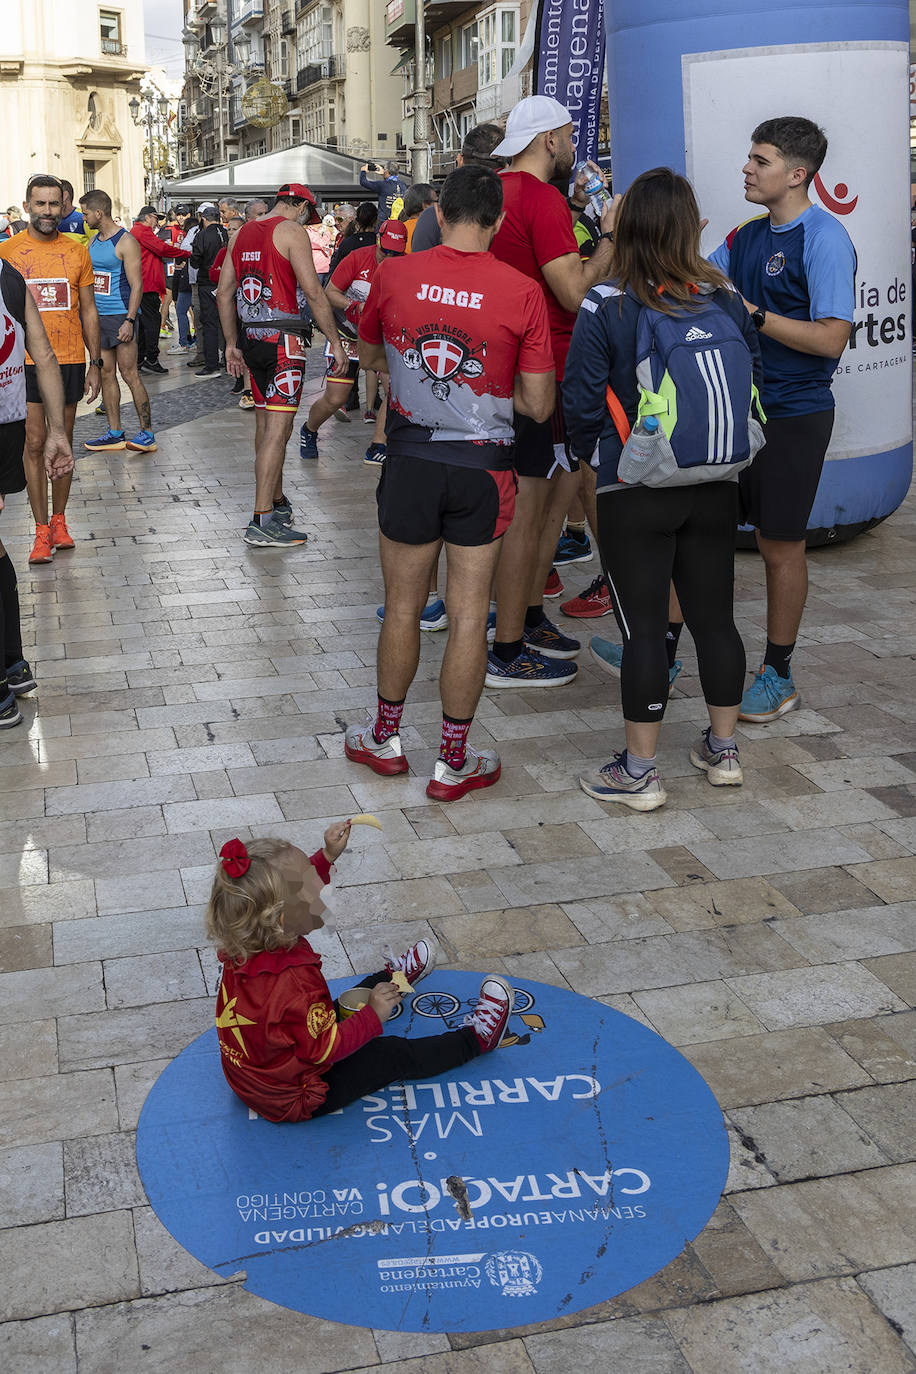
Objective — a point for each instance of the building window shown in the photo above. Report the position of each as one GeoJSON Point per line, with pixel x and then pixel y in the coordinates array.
{"type": "Point", "coordinates": [316, 36]}
{"type": "Point", "coordinates": [497, 32]}
{"type": "Point", "coordinates": [110, 33]}
{"type": "Point", "coordinates": [443, 57]}
{"type": "Point", "coordinates": [467, 45]}
{"type": "Point", "coordinates": [295, 129]}
{"type": "Point", "coordinates": [88, 176]}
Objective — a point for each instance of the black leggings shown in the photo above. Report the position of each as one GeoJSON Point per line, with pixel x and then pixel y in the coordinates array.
{"type": "Point", "coordinates": [391, 1059]}
{"type": "Point", "coordinates": [649, 537]}
{"type": "Point", "coordinates": [10, 631]}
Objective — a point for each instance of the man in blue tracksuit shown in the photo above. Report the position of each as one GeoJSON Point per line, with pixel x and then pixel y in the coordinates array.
{"type": "Point", "coordinates": [795, 267]}
{"type": "Point", "coordinates": [389, 189]}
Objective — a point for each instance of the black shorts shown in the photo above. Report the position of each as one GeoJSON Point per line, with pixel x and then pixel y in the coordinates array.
{"type": "Point", "coordinates": [421, 500]}
{"type": "Point", "coordinates": [74, 375]}
{"type": "Point", "coordinates": [342, 378]}
{"type": "Point", "coordinates": [109, 325]}
{"type": "Point", "coordinates": [12, 447]}
{"type": "Point", "coordinates": [778, 489]}
{"type": "Point", "coordinates": [542, 446]}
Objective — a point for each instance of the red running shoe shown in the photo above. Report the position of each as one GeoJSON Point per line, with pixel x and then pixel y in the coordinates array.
{"type": "Point", "coordinates": [553, 586]}
{"type": "Point", "coordinates": [491, 1015]}
{"type": "Point", "coordinates": [594, 602]}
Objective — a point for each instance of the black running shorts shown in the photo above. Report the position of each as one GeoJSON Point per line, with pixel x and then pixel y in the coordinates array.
{"type": "Point", "coordinates": [74, 376]}
{"type": "Point", "coordinates": [541, 446]}
{"type": "Point", "coordinates": [421, 500]}
{"type": "Point", "coordinates": [778, 489]}
{"type": "Point", "coordinates": [12, 446]}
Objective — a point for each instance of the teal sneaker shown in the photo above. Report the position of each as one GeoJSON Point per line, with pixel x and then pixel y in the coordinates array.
{"type": "Point", "coordinates": [768, 697]}
{"type": "Point", "coordinates": [610, 656]}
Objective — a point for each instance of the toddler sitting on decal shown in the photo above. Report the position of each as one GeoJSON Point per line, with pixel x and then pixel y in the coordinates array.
{"type": "Point", "coordinates": [285, 1052]}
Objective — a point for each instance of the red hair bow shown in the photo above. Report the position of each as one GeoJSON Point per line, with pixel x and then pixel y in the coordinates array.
{"type": "Point", "coordinates": [235, 858]}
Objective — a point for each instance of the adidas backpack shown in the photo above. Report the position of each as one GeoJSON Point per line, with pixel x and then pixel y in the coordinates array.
{"type": "Point", "coordinates": [695, 374]}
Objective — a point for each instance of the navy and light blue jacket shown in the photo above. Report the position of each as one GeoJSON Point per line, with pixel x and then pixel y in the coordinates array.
{"type": "Point", "coordinates": [602, 354]}
{"type": "Point", "coordinates": [804, 270]}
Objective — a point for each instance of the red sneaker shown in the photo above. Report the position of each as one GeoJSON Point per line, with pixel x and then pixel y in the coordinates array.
{"type": "Point", "coordinates": [60, 535]}
{"type": "Point", "coordinates": [594, 602]}
{"type": "Point", "coordinates": [43, 548]}
{"type": "Point", "coordinates": [553, 586]}
{"type": "Point", "coordinates": [414, 963]}
{"type": "Point", "coordinates": [490, 1017]}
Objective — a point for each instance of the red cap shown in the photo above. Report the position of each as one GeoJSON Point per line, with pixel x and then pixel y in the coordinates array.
{"type": "Point", "coordinates": [295, 190]}
{"type": "Point", "coordinates": [392, 234]}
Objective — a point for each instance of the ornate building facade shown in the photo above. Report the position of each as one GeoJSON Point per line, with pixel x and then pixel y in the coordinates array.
{"type": "Point", "coordinates": [67, 75]}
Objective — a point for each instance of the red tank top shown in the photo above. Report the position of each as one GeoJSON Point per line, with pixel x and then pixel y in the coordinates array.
{"type": "Point", "coordinates": [267, 287]}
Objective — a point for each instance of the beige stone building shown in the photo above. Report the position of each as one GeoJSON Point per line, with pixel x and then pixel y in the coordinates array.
{"type": "Point", "coordinates": [68, 69]}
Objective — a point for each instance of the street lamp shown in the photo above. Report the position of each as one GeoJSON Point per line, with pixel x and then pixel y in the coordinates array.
{"type": "Point", "coordinates": [154, 114]}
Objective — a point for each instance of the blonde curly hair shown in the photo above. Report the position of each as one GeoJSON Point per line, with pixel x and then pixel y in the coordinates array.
{"type": "Point", "coordinates": [244, 915]}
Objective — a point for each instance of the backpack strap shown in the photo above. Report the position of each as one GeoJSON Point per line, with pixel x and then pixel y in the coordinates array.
{"type": "Point", "coordinates": [618, 415]}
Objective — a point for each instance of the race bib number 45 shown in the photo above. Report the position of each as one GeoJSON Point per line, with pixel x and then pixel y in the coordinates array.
{"type": "Point", "coordinates": [50, 293]}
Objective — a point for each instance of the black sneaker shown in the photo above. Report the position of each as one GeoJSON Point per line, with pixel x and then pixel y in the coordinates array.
{"type": "Point", "coordinates": [197, 361]}
{"type": "Point", "coordinates": [239, 386]}
{"type": "Point", "coordinates": [20, 678]}
{"type": "Point", "coordinates": [10, 713]}
{"type": "Point", "coordinates": [206, 372]}
{"type": "Point", "coordinates": [157, 368]}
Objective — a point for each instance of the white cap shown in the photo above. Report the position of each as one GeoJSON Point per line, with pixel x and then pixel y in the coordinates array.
{"type": "Point", "coordinates": [536, 114]}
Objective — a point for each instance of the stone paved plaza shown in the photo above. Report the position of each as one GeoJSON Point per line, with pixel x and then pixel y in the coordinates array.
{"type": "Point", "coordinates": [192, 689]}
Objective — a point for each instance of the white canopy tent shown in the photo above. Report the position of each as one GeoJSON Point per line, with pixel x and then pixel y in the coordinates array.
{"type": "Point", "coordinates": [329, 175]}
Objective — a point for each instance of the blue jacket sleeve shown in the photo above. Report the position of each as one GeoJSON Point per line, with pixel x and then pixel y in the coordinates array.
{"type": "Point", "coordinates": [585, 380]}
{"type": "Point", "coordinates": [364, 181]}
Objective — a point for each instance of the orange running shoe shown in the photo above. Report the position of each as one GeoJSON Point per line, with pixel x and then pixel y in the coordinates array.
{"type": "Point", "coordinates": [60, 535]}
{"type": "Point", "coordinates": [43, 548]}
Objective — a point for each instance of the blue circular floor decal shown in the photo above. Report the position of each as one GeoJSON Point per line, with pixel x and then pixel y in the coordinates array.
{"type": "Point", "coordinates": [564, 1168]}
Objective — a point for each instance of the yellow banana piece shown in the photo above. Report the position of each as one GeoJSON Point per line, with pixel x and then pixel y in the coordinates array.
{"type": "Point", "coordinates": [366, 818]}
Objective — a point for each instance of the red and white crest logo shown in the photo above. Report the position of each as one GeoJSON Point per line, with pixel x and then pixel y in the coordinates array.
{"type": "Point", "coordinates": [442, 357]}
{"type": "Point", "coordinates": [288, 382]}
{"type": "Point", "coordinates": [8, 339]}
{"type": "Point", "coordinates": [252, 289]}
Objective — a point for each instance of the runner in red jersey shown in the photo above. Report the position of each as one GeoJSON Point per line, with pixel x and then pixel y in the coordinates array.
{"type": "Point", "coordinates": [537, 238]}
{"type": "Point", "coordinates": [464, 338]}
{"type": "Point", "coordinates": [267, 279]}
{"type": "Point", "coordinates": [347, 291]}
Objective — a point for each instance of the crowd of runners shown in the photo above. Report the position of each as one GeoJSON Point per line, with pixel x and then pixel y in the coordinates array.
{"type": "Point", "coordinates": [525, 342]}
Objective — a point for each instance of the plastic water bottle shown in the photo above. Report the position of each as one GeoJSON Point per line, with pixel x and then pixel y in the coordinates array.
{"type": "Point", "coordinates": [595, 189]}
{"type": "Point", "coordinates": [647, 425]}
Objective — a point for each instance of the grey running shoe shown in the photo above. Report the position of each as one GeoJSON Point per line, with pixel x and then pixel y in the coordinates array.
{"type": "Point", "coordinates": [478, 770]}
{"type": "Point", "coordinates": [613, 783]}
{"type": "Point", "coordinates": [722, 769]}
{"type": "Point", "coordinates": [273, 535]}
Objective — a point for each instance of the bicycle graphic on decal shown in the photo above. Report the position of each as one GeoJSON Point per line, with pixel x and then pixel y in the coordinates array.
{"type": "Point", "coordinates": [449, 1009]}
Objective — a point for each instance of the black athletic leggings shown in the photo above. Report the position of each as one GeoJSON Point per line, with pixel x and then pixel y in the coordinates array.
{"type": "Point", "coordinates": [391, 1058]}
{"type": "Point", "coordinates": [649, 536]}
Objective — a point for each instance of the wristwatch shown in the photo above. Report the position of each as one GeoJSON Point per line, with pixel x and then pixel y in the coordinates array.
{"type": "Point", "coordinates": [608, 235]}
{"type": "Point", "coordinates": [758, 318]}
{"type": "Point", "coordinates": [130, 319]}
{"type": "Point", "coordinates": [95, 362]}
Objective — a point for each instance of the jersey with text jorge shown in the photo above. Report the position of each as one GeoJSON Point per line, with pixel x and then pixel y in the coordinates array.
{"type": "Point", "coordinates": [266, 288]}
{"type": "Point", "coordinates": [457, 328]}
{"type": "Point", "coordinates": [804, 270]}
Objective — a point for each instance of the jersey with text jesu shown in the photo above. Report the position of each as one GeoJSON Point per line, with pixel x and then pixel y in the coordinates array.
{"type": "Point", "coordinates": [804, 270]}
{"type": "Point", "coordinates": [266, 285]}
{"type": "Point", "coordinates": [457, 328]}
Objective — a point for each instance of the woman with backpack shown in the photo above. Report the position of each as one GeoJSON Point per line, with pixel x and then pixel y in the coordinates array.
{"type": "Point", "coordinates": [667, 492]}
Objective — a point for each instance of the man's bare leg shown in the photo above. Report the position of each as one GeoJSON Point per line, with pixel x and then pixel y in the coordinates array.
{"type": "Point", "coordinates": [563, 489]}
{"type": "Point", "coordinates": [787, 587]}
{"type": "Point", "coordinates": [127, 365]}
{"type": "Point", "coordinates": [520, 546]}
{"type": "Point", "coordinates": [272, 429]}
{"type": "Point", "coordinates": [332, 398]}
{"type": "Point", "coordinates": [111, 392]}
{"type": "Point", "coordinates": [407, 569]}
{"type": "Point", "coordinates": [467, 600]}
{"type": "Point", "coordinates": [33, 461]}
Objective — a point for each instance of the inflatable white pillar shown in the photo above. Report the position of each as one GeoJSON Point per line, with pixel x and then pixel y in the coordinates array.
{"type": "Point", "coordinates": [687, 82]}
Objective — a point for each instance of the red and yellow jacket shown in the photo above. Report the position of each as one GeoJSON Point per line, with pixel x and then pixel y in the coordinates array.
{"type": "Point", "coordinates": [278, 1033]}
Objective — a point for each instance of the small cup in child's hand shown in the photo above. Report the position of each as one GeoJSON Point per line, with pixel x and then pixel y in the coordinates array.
{"type": "Point", "coordinates": [383, 999]}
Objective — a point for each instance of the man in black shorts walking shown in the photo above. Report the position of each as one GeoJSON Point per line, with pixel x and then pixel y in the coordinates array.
{"type": "Point", "coordinates": [462, 337]}
{"type": "Point", "coordinates": [795, 267]}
